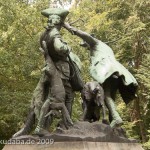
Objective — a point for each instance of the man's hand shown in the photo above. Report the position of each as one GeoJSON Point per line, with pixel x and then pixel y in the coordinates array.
{"type": "Point", "coordinates": [69, 28]}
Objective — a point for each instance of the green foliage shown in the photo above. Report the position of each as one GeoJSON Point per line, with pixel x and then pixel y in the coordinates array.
{"type": "Point", "coordinates": [123, 24]}
{"type": "Point", "coordinates": [20, 62]}
{"type": "Point", "coordinates": [147, 144]}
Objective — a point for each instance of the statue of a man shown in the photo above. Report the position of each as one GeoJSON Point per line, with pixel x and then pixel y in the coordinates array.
{"type": "Point", "coordinates": [60, 55]}
{"type": "Point", "coordinates": [58, 49]}
{"type": "Point", "coordinates": [109, 72]}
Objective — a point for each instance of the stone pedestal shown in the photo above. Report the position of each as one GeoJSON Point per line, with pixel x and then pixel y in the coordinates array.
{"type": "Point", "coordinates": [77, 146]}
{"type": "Point", "coordinates": [82, 136]}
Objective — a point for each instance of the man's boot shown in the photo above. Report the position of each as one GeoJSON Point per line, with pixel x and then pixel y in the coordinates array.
{"type": "Point", "coordinates": [116, 119]}
{"type": "Point", "coordinates": [40, 129]}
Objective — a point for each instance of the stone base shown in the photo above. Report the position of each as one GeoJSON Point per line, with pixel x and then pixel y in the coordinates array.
{"type": "Point", "coordinates": [83, 135]}
{"type": "Point", "coordinates": [77, 146]}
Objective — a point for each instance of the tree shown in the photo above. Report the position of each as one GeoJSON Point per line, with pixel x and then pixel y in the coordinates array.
{"type": "Point", "coordinates": [124, 25]}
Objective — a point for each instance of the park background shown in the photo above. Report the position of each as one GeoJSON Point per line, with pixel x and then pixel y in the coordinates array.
{"type": "Point", "coordinates": [123, 24]}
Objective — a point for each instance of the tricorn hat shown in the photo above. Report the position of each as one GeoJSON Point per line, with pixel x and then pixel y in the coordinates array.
{"type": "Point", "coordinates": [55, 11]}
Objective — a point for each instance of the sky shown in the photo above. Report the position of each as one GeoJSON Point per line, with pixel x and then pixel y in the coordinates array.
{"type": "Point", "coordinates": [62, 4]}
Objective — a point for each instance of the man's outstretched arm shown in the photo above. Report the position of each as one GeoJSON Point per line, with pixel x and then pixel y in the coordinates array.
{"type": "Point", "coordinates": [85, 36]}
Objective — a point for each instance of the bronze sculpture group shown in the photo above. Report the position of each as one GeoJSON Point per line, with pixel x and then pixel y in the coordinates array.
{"type": "Point", "coordinates": [54, 93]}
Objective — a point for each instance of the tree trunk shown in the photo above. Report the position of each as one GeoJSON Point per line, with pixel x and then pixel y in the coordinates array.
{"type": "Point", "coordinates": [138, 49]}
{"type": "Point", "coordinates": [139, 120]}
